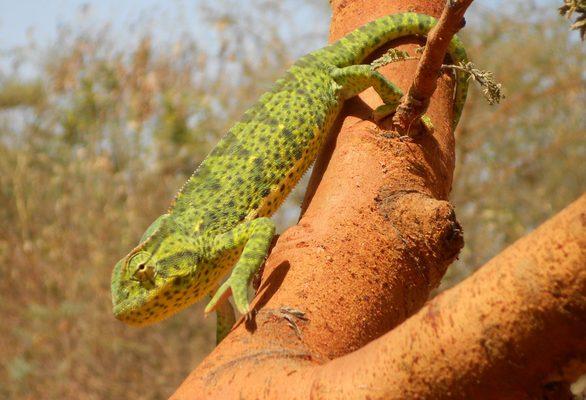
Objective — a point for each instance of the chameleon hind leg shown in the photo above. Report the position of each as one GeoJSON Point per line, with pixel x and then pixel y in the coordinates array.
{"type": "Point", "coordinates": [225, 319]}
{"type": "Point", "coordinates": [356, 78]}
{"type": "Point", "coordinates": [254, 237]}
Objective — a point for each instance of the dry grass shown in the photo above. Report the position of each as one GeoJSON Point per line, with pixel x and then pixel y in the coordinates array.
{"type": "Point", "coordinates": [90, 154]}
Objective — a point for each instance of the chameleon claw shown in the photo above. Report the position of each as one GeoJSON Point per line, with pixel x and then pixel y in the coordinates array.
{"type": "Point", "coordinates": [238, 293]}
{"type": "Point", "coordinates": [222, 295]}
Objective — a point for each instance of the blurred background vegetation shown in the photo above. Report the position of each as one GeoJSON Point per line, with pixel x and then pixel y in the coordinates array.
{"type": "Point", "coordinates": [98, 136]}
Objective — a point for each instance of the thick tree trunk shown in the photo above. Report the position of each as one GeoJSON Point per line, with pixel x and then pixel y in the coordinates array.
{"type": "Point", "coordinates": [375, 238]}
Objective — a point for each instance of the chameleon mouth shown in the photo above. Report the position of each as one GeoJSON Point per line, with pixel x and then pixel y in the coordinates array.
{"type": "Point", "coordinates": [122, 304]}
{"type": "Point", "coordinates": [128, 310]}
{"type": "Point", "coordinates": [146, 311]}
{"type": "Point", "coordinates": [123, 312]}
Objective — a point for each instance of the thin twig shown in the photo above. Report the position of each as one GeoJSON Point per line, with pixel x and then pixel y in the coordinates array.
{"type": "Point", "coordinates": [415, 103]}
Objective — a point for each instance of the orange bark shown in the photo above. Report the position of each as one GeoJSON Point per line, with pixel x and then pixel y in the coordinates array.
{"type": "Point", "coordinates": [374, 240]}
{"type": "Point", "coordinates": [510, 331]}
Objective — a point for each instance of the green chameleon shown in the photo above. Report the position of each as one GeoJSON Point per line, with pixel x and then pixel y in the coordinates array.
{"type": "Point", "coordinates": [219, 220]}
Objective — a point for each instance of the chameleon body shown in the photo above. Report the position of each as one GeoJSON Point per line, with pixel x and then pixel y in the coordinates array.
{"type": "Point", "coordinates": [219, 220]}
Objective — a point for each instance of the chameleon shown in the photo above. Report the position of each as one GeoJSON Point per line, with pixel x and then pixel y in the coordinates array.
{"type": "Point", "coordinates": [219, 222]}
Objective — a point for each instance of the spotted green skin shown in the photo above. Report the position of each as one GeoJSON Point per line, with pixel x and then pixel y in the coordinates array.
{"type": "Point", "coordinates": [219, 220]}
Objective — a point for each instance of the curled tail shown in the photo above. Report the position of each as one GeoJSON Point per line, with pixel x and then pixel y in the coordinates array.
{"type": "Point", "coordinates": [355, 47]}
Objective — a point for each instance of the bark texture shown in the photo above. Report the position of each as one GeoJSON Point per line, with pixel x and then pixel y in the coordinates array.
{"type": "Point", "coordinates": [513, 330]}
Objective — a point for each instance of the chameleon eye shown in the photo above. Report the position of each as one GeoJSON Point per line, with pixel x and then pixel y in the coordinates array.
{"type": "Point", "coordinates": [141, 267]}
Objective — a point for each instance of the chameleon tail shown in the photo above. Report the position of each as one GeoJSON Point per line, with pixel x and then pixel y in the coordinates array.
{"type": "Point", "coordinates": [358, 45]}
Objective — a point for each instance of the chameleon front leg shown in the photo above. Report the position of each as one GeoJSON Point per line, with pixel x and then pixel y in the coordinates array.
{"type": "Point", "coordinates": [255, 237]}
{"type": "Point", "coordinates": [356, 78]}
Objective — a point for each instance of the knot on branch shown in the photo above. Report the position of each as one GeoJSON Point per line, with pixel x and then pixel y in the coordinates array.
{"type": "Point", "coordinates": [426, 227]}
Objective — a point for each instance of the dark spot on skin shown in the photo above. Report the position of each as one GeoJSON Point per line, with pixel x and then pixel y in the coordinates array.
{"type": "Point", "coordinates": [265, 192]}
{"type": "Point", "coordinates": [242, 151]}
{"type": "Point", "coordinates": [287, 133]}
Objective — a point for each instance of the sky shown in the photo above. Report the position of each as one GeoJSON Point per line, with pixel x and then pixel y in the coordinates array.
{"type": "Point", "coordinates": [40, 18]}
{"type": "Point", "coordinates": [34, 21]}
{"type": "Point", "coordinates": [38, 21]}
{"type": "Point", "coordinates": [19, 20]}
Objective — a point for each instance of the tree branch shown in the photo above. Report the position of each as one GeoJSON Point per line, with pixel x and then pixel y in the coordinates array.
{"type": "Point", "coordinates": [375, 238]}
{"type": "Point", "coordinates": [511, 331]}
{"type": "Point", "coordinates": [514, 330]}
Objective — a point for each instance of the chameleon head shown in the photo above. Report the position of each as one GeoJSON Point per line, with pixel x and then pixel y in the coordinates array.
{"type": "Point", "coordinates": [134, 281]}
{"type": "Point", "coordinates": [157, 279]}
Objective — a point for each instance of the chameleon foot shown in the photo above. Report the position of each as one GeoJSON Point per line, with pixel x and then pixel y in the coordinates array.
{"type": "Point", "coordinates": [238, 289]}
{"type": "Point", "coordinates": [256, 237]}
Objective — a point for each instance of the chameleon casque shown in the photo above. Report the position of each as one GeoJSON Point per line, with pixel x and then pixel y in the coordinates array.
{"type": "Point", "coordinates": [219, 220]}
